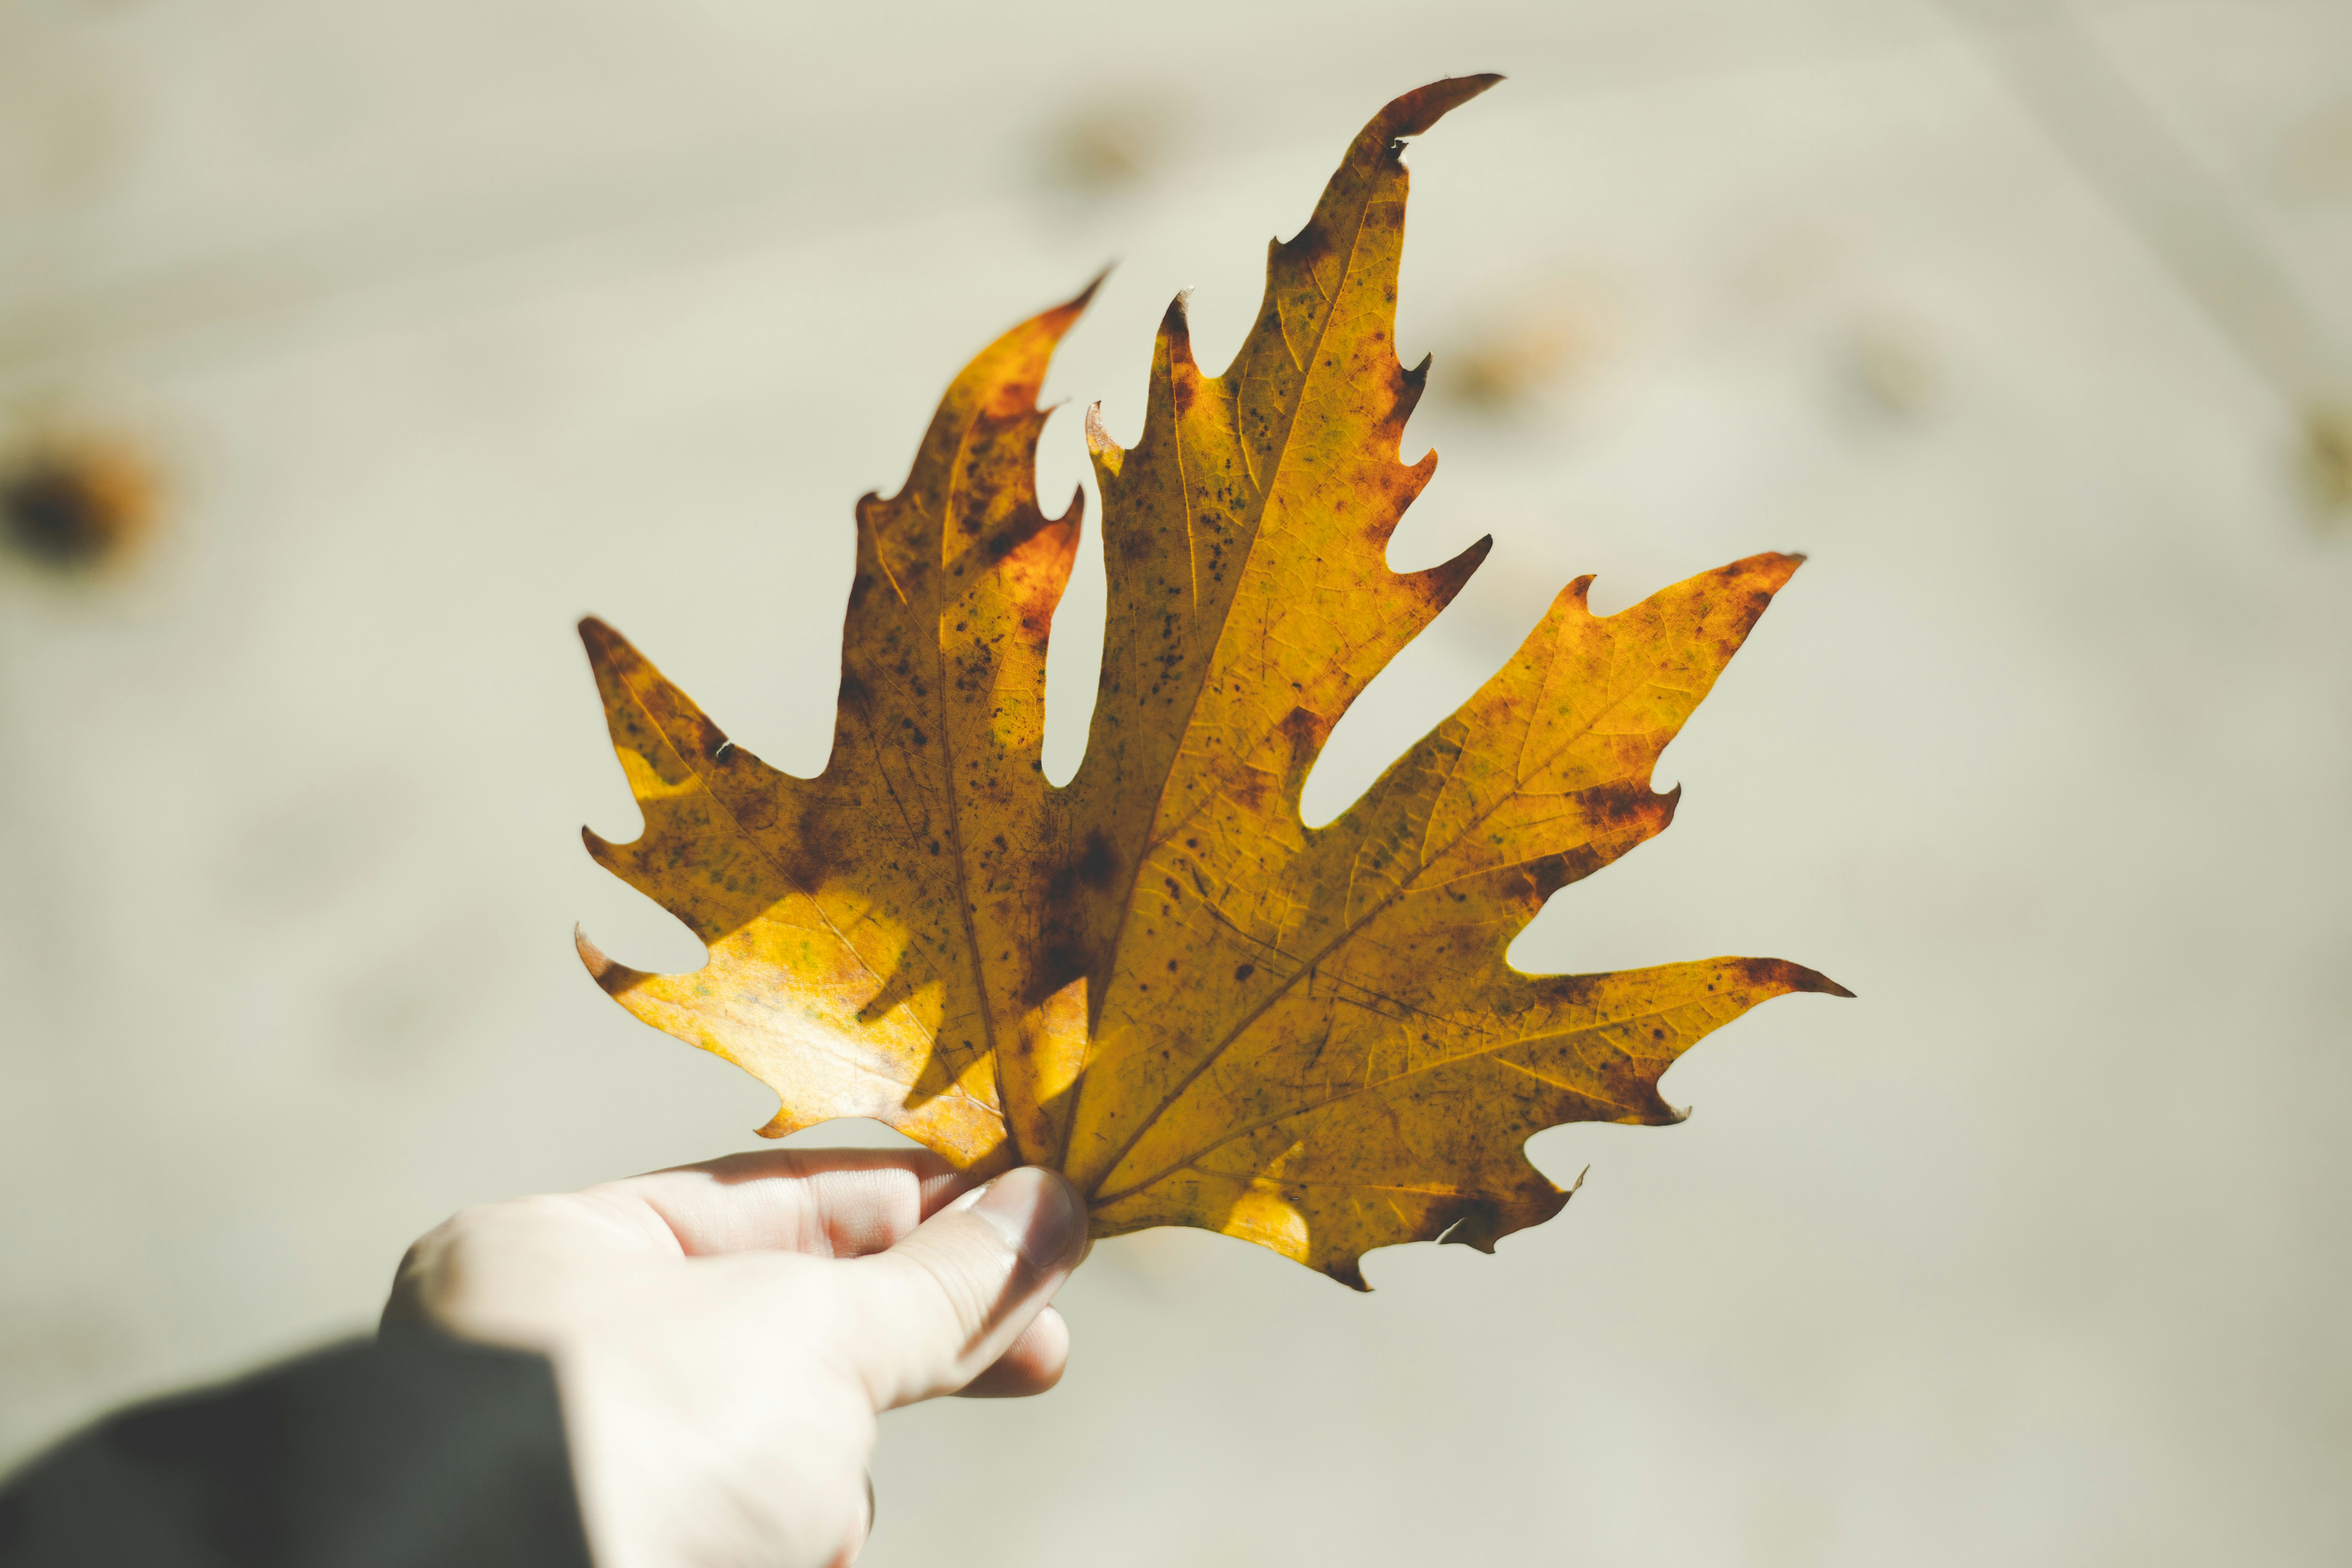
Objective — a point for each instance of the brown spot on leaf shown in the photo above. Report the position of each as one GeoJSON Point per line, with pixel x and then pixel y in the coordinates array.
{"type": "Point", "coordinates": [1099, 864]}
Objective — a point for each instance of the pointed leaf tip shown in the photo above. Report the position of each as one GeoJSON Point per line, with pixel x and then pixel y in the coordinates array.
{"type": "Point", "coordinates": [1176, 328]}
{"type": "Point", "coordinates": [590, 953]}
{"type": "Point", "coordinates": [602, 642]}
{"type": "Point", "coordinates": [1056, 319]}
{"type": "Point", "coordinates": [1412, 113]}
{"type": "Point", "coordinates": [1787, 977]}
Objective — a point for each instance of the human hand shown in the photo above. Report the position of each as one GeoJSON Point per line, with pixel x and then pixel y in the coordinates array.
{"type": "Point", "coordinates": [725, 1334]}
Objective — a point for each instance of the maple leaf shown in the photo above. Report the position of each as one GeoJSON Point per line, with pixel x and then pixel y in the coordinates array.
{"type": "Point", "coordinates": [1155, 978]}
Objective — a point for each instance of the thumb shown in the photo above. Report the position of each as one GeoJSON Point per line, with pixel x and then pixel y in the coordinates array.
{"type": "Point", "coordinates": [938, 1309]}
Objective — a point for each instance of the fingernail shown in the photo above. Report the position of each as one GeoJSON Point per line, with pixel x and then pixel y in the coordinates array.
{"type": "Point", "coordinates": [1037, 1213]}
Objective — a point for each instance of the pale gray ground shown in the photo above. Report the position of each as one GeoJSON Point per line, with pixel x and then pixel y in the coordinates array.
{"type": "Point", "coordinates": [449, 322]}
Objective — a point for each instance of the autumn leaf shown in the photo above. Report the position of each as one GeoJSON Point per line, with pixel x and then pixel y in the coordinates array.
{"type": "Point", "coordinates": [1155, 978]}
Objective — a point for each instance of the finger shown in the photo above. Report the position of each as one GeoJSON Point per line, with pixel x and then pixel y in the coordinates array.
{"type": "Point", "coordinates": [938, 1309]}
{"type": "Point", "coordinates": [865, 1530]}
{"type": "Point", "coordinates": [1032, 1366]}
{"type": "Point", "coordinates": [834, 1203]}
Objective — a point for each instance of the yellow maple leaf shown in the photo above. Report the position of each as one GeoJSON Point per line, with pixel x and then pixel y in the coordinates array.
{"type": "Point", "coordinates": [1156, 979]}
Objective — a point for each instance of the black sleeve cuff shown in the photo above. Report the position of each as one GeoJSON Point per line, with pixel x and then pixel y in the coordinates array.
{"type": "Point", "coordinates": [411, 1448]}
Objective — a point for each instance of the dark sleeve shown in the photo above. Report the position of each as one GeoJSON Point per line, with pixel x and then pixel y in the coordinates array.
{"type": "Point", "coordinates": [412, 1449]}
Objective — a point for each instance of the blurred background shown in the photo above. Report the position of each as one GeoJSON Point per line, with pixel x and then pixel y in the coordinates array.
{"type": "Point", "coordinates": [349, 353]}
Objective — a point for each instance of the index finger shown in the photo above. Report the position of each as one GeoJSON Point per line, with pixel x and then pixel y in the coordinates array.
{"type": "Point", "coordinates": [829, 1202]}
